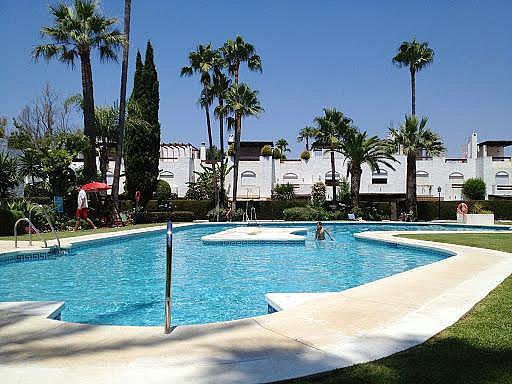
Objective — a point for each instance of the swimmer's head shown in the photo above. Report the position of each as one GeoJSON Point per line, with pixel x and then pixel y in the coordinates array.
{"type": "Point", "coordinates": [319, 224]}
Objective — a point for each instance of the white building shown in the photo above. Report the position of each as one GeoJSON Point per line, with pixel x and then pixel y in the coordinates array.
{"type": "Point", "coordinates": [258, 174]}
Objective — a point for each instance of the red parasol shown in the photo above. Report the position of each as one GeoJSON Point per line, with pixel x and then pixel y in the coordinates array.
{"type": "Point", "coordinates": [95, 186]}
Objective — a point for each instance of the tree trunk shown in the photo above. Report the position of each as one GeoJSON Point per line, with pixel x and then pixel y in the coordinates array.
{"type": "Point", "coordinates": [103, 161]}
{"type": "Point", "coordinates": [238, 131]}
{"type": "Point", "coordinates": [222, 165]}
{"type": "Point", "coordinates": [122, 105]}
{"type": "Point", "coordinates": [413, 91]}
{"type": "Point", "coordinates": [89, 121]}
{"type": "Point", "coordinates": [307, 143]}
{"type": "Point", "coordinates": [333, 177]}
{"type": "Point", "coordinates": [213, 160]}
{"type": "Point", "coordinates": [410, 201]}
{"type": "Point", "coordinates": [235, 72]}
{"type": "Point", "coordinates": [355, 184]}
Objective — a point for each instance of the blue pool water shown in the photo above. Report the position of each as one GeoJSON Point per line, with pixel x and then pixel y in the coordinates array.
{"type": "Point", "coordinates": [122, 281]}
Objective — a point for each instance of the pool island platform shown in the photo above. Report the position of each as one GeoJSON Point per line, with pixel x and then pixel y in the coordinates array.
{"type": "Point", "coordinates": [254, 234]}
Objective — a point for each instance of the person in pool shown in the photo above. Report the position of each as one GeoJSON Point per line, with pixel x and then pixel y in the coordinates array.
{"type": "Point", "coordinates": [321, 231]}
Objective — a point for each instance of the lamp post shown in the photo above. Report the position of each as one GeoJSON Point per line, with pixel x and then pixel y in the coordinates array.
{"type": "Point", "coordinates": [439, 203]}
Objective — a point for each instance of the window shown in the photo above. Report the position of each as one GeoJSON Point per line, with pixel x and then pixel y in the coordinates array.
{"type": "Point", "coordinates": [328, 178]}
{"type": "Point", "coordinates": [248, 177]}
{"type": "Point", "coordinates": [380, 177]}
{"type": "Point", "coordinates": [422, 174]}
{"type": "Point", "coordinates": [166, 175]}
{"type": "Point", "coordinates": [290, 176]}
{"type": "Point", "coordinates": [502, 178]}
{"type": "Point", "coordinates": [456, 176]}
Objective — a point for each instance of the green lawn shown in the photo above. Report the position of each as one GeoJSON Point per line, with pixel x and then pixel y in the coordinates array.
{"type": "Point", "coordinates": [476, 349]}
{"type": "Point", "coordinates": [49, 236]}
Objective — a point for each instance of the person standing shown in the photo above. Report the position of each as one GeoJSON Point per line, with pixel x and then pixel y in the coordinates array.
{"type": "Point", "coordinates": [82, 209]}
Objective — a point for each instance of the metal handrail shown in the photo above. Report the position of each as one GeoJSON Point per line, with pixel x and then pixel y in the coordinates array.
{"type": "Point", "coordinates": [32, 226]}
{"type": "Point", "coordinates": [253, 210]}
{"type": "Point", "coordinates": [54, 232]}
{"type": "Point", "coordinates": [168, 271]}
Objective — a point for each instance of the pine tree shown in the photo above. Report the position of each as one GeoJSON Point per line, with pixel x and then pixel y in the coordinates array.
{"type": "Point", "coordinates": [142, 148]}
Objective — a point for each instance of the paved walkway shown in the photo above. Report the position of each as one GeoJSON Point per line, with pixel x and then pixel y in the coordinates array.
{"type": "Point", "coordinates": [334, 331]}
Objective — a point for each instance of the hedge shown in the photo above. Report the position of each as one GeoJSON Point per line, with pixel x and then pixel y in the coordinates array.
{"type": "Point", "coordinates": [428, 210]}
{"type": "Point", "coordinates": [161, 217]}
{"type": "Point", "coordinates": [7, 220]}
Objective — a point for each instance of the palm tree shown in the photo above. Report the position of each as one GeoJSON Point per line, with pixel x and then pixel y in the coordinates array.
{"type": "Point", "coordinates": [76, 32]}
{"type": "Point", "coordinates": [360, 149]}
{"type": "Point", "coordinates": [205, 61]}
{"type": "Point", "coordinates": [238, 51]}
{"type": "Point", "coordinates": [305, 134]}
{"type": "Point", "coordinates": [107, 119]}
{"type": "Point", "coordinates": [122, 104]}
{"type": "Point", "coordinates": [282, 145]}
{"type": "Point", "coordinates": [219, 87]}
{"type": "Point", "coordinates": [241, 101]}
{"type": "Point", "coordinates": [412, 137]}
{"type": "Point", "coordinates": [416, 56]}
{"type": "Point", "coordinates": [9, 174]}
{"type": "Point", "coordinates": [331, 128]}
{"type": "Point", "coordinates": [30, 165]}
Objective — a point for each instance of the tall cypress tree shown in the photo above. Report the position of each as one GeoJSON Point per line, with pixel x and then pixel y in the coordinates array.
{"type": "Point", "coordinates": [142, 142]}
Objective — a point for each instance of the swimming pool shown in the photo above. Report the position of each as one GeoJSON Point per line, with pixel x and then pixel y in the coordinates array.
{"type": "Point", "coordinates": [121, 281]}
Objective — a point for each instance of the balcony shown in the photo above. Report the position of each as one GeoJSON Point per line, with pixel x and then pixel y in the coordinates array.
{"type": "Point", "coordinates": [460, 161]}
{"type": "Point", "coordinates": [426, 190]}
{"type": "Point", "coordinates": [501, 158]}
{"type": "Point", "coordinates": [248, 192]}
{"type": "Point", "coordinates": [502, 190]}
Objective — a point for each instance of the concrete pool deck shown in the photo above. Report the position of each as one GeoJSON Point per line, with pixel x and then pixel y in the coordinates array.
{"type": "Point", "coordinates": [334, 331]}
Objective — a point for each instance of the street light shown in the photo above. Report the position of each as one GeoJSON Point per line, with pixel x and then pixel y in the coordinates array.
{"type": "Point", "coordinates": [439, 203]}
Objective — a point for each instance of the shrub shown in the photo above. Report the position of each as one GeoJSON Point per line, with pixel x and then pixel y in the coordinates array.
{"type": "Point", "coordinates": [479, 208]}
{"type": "Point", "coordinates": [162, 217]}
{"type": "Point", "coordinates": [163, 191]}
{"type": "Point", "coordinates": [318, 194]}
{"type": "Point", "coordinates": [427, 210]}
{"type": "Point", "coordinates": [305, 155]}
{"type": "Point", "coordinates": [237, 215]}
{"type": "Point", "coordinates": [42, 189]}
{"type": "Point", "coordinates": [474, 189]}
{"type": "Point", "coordinates": [304, 214]}
{"type": "Point", "coordinates": [7, 220]}
{"type": "Point", "coordinates": [276, 153]}
{"type": "Point", "coordinates": [283, 192]}
{"type": "Point", "coordinates": [266, 150]}
{"type": "Point", "coordinates": [344, 196]}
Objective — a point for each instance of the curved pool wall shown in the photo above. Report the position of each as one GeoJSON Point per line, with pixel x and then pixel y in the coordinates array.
{"type": "Point", "coordinates": [120, 280]}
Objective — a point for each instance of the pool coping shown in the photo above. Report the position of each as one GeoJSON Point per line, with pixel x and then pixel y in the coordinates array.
{"type": "Point", "coordinates": [345, 328]}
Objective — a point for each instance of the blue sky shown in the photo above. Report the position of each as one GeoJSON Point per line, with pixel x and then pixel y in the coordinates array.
{"type": "Point", "coordinates": [315, 54]}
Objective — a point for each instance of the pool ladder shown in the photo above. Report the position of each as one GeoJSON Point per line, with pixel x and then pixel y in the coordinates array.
{"type": "Point", "coordinates": [32, 227]}
{"type": "Point", "coordinates": [250, 218]}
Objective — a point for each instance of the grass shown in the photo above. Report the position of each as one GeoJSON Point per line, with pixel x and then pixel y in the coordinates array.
{"type": "Point", "coordinates": [49, 236]}
{"type": "Point", "coordinates": [476, 349]}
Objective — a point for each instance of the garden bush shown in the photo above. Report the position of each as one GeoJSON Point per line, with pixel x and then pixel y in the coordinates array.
{"type": "Point", "coordinates": [318, 194]}
{"type": "Point", "coordinates": [283, 192]}
{"type": "Point", "coordinates": [304, 214]}
{"type": "Point", "coordinates": [305, 155]}
{"type": "Point", "coordinates": [266, 150]}
{"type": "Point", "coordinates": [7, 220]}
{"type": "Point", "coordinates": [474, 189]}
{"type": "Point", "coordinates": [162, 217]}
{"type": "Point", "coordinates": [427, 210]}
{"type": "Point", "coordinates": [163, 191]}
{"type": "Point", "coordinates": [37, 190]}
{"type": "Point", "coordinates": [237, 215]}
{"type": "Point", "coordinates": [276, 153]}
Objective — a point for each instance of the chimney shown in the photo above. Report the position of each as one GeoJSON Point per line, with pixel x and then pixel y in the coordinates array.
{"type": "Point", "coordinates": [202, 152]}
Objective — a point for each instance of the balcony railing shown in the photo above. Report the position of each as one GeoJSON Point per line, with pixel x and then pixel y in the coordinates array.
{"type": "Point", "coordinates": [501, 158]}
{"type": "Point", "coordinates": [462, 161]}
{"type": "Point", "coordinates": [502, 189]}
{"type": "Point", "coordinates": [248, 192]}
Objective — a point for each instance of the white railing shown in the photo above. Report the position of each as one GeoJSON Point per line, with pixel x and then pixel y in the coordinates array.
{"type": "Point", "coordinates": [502, 189]}
{"type": "Point", "coordinates": [248, 192]}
